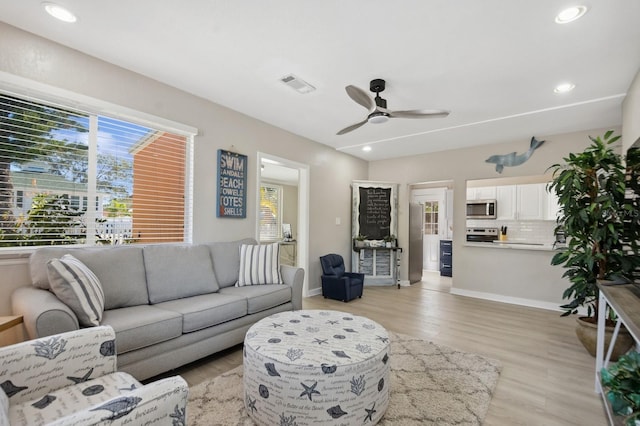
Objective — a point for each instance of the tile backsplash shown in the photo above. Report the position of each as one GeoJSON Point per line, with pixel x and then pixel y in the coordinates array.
{"type": "Point", "coordinates": [534, 231]}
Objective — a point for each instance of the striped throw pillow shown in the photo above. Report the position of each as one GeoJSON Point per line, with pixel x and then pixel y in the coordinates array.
{"type": "Point", "coordinates": [78, 288]}
{"type": "Point", "coordinates": [259, 264]}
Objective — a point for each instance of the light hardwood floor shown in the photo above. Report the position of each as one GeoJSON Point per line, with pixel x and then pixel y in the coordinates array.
{"type": "Point", "coordinates": [547, 376]}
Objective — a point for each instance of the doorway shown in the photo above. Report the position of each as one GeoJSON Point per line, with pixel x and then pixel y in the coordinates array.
{"type": "Point", "coordinates": [429, 227]}
{"type": "Point", "coordinates": [292, 178]}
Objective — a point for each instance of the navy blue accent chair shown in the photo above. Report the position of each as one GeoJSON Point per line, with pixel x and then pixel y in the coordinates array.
{"type": "Point", "coordinates": [338, 284]}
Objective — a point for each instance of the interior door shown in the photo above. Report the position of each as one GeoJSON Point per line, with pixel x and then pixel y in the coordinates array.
{"type": "Point", "coordinates": [416, 221]}
{"type": "Point", "coordinates": [432, 230]}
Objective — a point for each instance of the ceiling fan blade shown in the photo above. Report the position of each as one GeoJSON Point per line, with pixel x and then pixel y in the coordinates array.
{"type": "Point", "coordinates": [351, 128]}
{"type": "Point", "coordinates": [360, 97]}
{"type": "Point", "coordinates": [419, 113]}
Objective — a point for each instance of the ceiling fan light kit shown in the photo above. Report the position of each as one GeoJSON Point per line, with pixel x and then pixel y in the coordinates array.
{"type": "Point", "coordinates": [377, 107]}
{"type": "Point", "coordinates": [378, 117]}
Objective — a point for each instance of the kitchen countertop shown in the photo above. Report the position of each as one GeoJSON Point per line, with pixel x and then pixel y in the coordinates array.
{"type": "Point", "coordinates": [513, 245]}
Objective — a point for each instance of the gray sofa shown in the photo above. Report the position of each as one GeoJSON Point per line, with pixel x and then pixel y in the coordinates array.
{"type": "Point", "coordinates": [169, 304]}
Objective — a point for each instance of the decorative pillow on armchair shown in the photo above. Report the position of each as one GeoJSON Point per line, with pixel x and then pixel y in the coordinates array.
{"type": "Point", "coordinates": [78, 288]}
{"type": "Point", "coordinates": [259, 264]}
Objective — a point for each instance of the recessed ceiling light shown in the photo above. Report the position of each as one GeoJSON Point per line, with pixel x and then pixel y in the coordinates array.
{"type": "Point", "coordinates": [570, 14]}
{"type": "Point", "coordinates": [564, 87]}
{"type": "Point", "coordinates": [59, 12]}
{"type": "Point", "coordinates": [366, 148]}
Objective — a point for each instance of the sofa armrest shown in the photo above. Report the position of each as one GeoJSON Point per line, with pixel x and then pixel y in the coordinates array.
{"type": "Point", "coordinates": [293, 277]}
{"type": "Point", "coordinates": [37, 367]}
{"type": "Point", "coordinates": [161, 402]}
{"type": "Point", "coordinates": [44, 314]}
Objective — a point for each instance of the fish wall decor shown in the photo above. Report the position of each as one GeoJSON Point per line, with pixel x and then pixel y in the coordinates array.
{"type": "Point", "coordinates": [514, 159]}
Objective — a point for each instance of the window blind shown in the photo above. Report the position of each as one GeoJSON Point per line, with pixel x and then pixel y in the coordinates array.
{"type": "Point", "coordinates": [270, 212]}
{"type": "Point", "coordinates": [72, 177]}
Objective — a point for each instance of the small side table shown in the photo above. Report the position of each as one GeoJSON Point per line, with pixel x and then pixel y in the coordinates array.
{"type": "Point", "coordinates": [9, 321]}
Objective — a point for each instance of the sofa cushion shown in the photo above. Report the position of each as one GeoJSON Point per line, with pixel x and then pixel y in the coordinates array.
{"type": "Point", "coordinates": [259, 264]}
{"type": "Point", "coordinates": [261, 297]}
{"type": "Point", "coordinates": [78, 288]}
{"type": "Point", "coordinates": [175, 271]}
{"type": "Point", "coordinates": [206, 310]}
{"type": "Point", "coordinates": [38, 265]}
{"type": "Point", "coordinates": [120, 270]}
{"type": "Point", "coordinates": [141, 326]}
{"type": "Point", "coordinates": [226, 260]}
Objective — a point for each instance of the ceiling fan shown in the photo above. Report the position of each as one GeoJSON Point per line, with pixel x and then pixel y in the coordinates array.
{"type": "Point", "coordinates": [378, 112]}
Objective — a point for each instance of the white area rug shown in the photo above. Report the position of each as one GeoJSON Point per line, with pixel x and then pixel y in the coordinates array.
{"type": "Point", "coordinates": [430, 385]}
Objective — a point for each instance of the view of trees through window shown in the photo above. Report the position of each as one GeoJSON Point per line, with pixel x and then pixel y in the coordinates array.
{"type": "Point", "coordinates": [68, 177]}
{"type": "Point", "coordinates": [270, 212]}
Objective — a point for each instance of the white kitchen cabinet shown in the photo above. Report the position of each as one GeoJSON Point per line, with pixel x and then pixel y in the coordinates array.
{"type": "Point", "coordinates": [532, 201]}
{"type": "Point", "coordinates": [553, 206]}
{"type": "Point", "coordinates": [526, 202]}
{"type": "Point", "coordinates": [506, 202]}
{"type": "Point", "coordinates": [481, 193]}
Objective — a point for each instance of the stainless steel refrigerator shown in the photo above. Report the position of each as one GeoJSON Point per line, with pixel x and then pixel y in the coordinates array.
{"type": "Point", "coordinates": [416, 232]}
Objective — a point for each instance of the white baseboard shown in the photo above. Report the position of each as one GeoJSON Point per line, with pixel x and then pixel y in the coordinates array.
{"type": "Point", "coordinates": [314, 292]}
{"type": "Point", "coordinates": [551, 306]}
{"type": "Point", "coordinates": [532, 303]}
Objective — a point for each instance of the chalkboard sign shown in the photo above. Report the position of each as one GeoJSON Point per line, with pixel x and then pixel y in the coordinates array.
{"type": "Point", "coordinates": [232, 184]}
{"type": "Point", "coordinates": [374, 212]}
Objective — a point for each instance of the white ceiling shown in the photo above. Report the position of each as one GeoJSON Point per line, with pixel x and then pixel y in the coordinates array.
{"type": "Point", "coordinates": [492, 63]}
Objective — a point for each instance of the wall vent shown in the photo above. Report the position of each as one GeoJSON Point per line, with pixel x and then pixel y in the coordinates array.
{"type": "Point", "coordinates": [297, 84]}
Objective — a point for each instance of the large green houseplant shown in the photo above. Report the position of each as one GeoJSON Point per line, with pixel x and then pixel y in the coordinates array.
{"type": "Point", "coordinates": [595, 215]}
{"type": "Point", "coordinates": [622, 387]}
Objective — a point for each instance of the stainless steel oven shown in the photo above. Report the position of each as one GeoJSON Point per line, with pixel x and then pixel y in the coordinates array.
{"type": "Point", "coordinates": [481, 209]}
{"type": "Point", "coordinates": [482, 235]}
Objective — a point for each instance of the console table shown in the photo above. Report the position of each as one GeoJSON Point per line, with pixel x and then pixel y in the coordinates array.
{"type": "Point", "coordinates": [7, 322]}
{"type": "Point", "coordinates": [288, 252]}
{"type": "Point", "coordinates": [625, 301]}
{"type": "Point", "coordinates": [380, 265]}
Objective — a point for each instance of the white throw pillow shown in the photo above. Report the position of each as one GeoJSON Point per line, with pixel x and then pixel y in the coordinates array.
{"type": "Point", "coordinates": [259, 264]}
{"type": "Point", "coordinates": [77, 287]}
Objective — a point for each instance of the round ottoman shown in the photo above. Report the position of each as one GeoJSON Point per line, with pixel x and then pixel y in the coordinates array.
{"type": "Point", "coordinates": [314, 367]}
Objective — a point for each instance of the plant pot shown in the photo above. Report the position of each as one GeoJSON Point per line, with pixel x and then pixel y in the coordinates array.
{"type": "Point", "coordinates": [360, 243]}
{"type": "Point", "coordinates": [587, 333]}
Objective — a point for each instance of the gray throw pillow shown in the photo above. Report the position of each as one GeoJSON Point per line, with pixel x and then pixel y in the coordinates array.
{"type": "Point", "coordinates": [78, 288]}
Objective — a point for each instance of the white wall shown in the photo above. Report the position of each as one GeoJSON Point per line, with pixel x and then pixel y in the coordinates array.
{"type": "Point", "coordinates": [503, 274]}
{"type": "Point", "coordinates": [631, 114]}
{"type": "Point", "coordinates": [290, 207]}
{"type": "Point", "coordinates": [331, 172]}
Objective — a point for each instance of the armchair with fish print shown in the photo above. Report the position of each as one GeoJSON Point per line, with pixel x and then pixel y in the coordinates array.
{"type": "Point", "coordinates": [71, 379]}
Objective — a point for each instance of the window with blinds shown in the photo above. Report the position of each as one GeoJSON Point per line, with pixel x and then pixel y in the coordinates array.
{"type": "Point", "coordinates": [270, 212]}
{"type": "Point", "coordinates": [71, 177]}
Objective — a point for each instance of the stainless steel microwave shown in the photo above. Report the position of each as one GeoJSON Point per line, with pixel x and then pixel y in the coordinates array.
{"type": "Point", "coordinates": [481, 209]}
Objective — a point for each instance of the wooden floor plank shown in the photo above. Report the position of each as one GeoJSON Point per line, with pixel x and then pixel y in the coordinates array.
{"type": "Point", "coordinates": [547, 376]}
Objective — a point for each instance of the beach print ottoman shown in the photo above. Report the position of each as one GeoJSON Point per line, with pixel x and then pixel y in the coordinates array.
{"type": "Point", "coordinates": [316, 367]}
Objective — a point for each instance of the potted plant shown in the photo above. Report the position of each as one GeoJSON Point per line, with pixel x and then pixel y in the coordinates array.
{"type": "Point", "coordinates": [621, 383]}
{"type": "Point", "coordinates": [590, 187]}
{"type": "Point", "coordinates": [360, 240]}
{"type": "Point", "coordinates": [390, 240]}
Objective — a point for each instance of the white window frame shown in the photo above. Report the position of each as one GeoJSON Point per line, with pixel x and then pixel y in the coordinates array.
{"type": "Point", "coordinates": [43, 93]}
